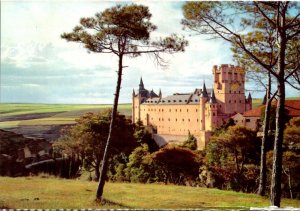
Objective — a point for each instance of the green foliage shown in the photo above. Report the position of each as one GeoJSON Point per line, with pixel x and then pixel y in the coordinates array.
{"type": "Point", "coordinates": [122, 30]}
{"type": "Point", "coordinates": [179, 165]}
{"type": "Point", "coordinates": [88, 137]}
{"type": "Point", "coordinates": [140, 165]}
{"type": "Point", "coordinates": [232, 156]}
{"type": "Point", "coordinates": [191, 142]}
{"type": "Point", "coordinates": [292, 134]}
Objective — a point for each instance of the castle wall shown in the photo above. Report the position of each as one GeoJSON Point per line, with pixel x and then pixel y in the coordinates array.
{"type": "Point", "coordinates": [172, 119]}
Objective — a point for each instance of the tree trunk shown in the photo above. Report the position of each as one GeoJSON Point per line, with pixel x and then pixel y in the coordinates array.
{"type": "Point", "coordinates": [104, 165]}
{"type": "Point", "coordinates": [280, 114]}
{"type": "Point", "coordinates": [263, 169]}
{"type": "Point", "coordinates": [97, 171]}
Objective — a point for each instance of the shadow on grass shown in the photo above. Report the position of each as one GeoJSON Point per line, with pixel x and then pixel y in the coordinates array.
{"type": "Point", "coordinates": [112, 203]}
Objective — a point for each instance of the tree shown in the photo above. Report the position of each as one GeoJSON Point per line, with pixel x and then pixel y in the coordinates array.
{"type": "Point", "coordinates": [190, 142]}
{"type": "Point", "coordinates": [87, 138]}
{"type": "Point", "coordinates": [228, 20]}
{"type": "Point", "coordinates": [179, 165]}
{"type": "Point", "coordinates": [122, 31]}
{"type": "Point", "coordinates": [231, 151]}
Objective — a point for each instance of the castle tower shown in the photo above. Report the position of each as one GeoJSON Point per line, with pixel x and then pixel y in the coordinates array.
{"type": "Point", "coordinates": [211, 115]}
{"type": "Point", "coordinates": [229, 88]}
{"type": "Point", "coordinates": [203, 100]}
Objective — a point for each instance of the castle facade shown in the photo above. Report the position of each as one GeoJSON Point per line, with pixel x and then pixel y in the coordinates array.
{"type": "Point", "coordinates": [171, 118]}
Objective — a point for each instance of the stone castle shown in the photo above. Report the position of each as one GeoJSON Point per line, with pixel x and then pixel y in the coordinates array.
{"type": "Point", "coordinates": [171, 118]}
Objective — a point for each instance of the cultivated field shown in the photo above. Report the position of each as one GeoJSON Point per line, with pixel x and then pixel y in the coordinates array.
{"type": "Point", "coordinates": [54, 193]}
{"type": "Point", "coordinates": [46, 120]}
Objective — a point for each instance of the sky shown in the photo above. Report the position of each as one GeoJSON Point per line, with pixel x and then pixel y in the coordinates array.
{"type": "Point", "coordinates": [37, 66]}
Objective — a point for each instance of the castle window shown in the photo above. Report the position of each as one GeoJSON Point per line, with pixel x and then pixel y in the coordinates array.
{"type": "Point", "coordinates": [235, 101]}
{"type": "Point", "coordinates": [247, 120]}
{"type": "Point", "coordinates": [162, 119]}
{"type": "Point", "coordinates": [197, 120]}
{"type": "Point", "coordinates": [176, 110]}
{"type": "Point", "coordinates": [169, 101]}
{"type": "Point", "coordinates": [196, 110]}
{"type": "Point", "coordinates": [196, 100]}
{"type": "Point", "coordinates": [240, 101]}
{"type": "Point", "coordinates": [158, 119]}
{"type": "Point", "coordinates": [180, 100]}
{"type": "Point", "coordinates": [169, 110]}
{"type": "Point", "coordinates": [155, 101]}
{"type": "Point", "coordinates": [185, 100]}
{"type": "Point", "coordinates": [229, 91]}
{"type": "Point", "coordinates": [239, 92]}
{"type": "Point", "coordinates": [159, 110]}
{"type": "Point", "coordinates": [176, 120]}
{"type": "Point", "coordinates": [174, 101]}
{"type": "Point", "coordinates": [169, 119]}
{"type": "Point", "coordinates": [187, 110]}
{"type": "Point", "coordinates": [180, 110]}
{"type": "Point", "coordinates": [162, 110]}
{"type": "Point", "coordinates": [189, 120]}
{"type": "Point", "coordinates": [183, 120]}
{"type": "Point", "coordinates": [163, 101]}
{"type": "Point", "coordinates": [229, 101]}
{"type": "Point", "coordinates": [214, 114]}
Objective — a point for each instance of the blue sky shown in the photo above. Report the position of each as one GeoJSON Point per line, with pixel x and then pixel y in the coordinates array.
{"type": "Point", "coordinates": [37, 66]}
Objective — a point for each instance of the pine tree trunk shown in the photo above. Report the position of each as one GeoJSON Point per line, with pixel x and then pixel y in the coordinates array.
{"type": "Point", "coordinates": [280, 115]}
{"type": "Point", "coordinates": [97, 171]}
{"type": "Point", "coordinates": [263, 169]}
{"type": "Point", "coordinates": [104, 165]}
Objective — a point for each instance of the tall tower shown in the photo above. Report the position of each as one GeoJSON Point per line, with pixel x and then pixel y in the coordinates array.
{"type": "Point", "coordinates": [203, 100]}
{"type": "Point", "coordinates": [229, 88]}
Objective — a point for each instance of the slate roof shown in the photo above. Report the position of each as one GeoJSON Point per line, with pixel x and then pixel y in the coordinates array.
{"type": "Point", "coordinates": [178, 98]}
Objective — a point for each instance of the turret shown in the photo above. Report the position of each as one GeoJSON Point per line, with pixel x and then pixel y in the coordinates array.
{"type": "Point", "coordinates": [249, 97]}
{"type": "Point", "coordinates": [204, 91]}
{"type": "Point", "coordinates": [141, 85]}
{"type": "Point", "coordinates": [213, 98]}
{"type": "Point", "coordinates": [203, 100]}
{"type": "Point", "coordinates": [159, 94]}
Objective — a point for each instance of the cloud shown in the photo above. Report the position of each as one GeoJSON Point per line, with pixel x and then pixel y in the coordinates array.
{"type": "Point", "coordinates": [38, 66]}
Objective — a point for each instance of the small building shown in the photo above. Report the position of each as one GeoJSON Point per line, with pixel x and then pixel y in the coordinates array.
{"type": "Point", "coordinates": [251, 118]}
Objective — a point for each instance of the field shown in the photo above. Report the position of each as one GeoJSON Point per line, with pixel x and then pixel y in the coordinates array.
{"type": "Point", "coordinates": [54, 193]}
{"type": "Point", "coordinates": [46, 120]}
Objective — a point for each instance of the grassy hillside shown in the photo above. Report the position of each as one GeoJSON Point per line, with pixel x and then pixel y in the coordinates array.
{"type": "Point", "coordinates": [14, 115]}
{"type": "Point", "coordinates": [37, 192]}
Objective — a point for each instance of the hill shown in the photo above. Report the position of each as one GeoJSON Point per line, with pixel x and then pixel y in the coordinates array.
{"type": "Point", "coordinates": [46, 120]}
{"type": "Point", "coordinates": [53, 193]}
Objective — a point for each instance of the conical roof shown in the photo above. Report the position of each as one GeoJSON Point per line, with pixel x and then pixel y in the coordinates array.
{"type": "Point", "coordinates": [249, 96]}
{"type": "Point", "coordinates": [213, 97]}
{"type": "Point", "coordinates": [204, 91]}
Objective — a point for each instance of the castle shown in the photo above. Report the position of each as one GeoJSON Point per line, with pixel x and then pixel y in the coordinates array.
{"type": "Point", "coordinates": [171, 118]}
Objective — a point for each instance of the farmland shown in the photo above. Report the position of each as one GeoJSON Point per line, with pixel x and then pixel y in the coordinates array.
{"type": "Point", "coordinates": [46, 120]}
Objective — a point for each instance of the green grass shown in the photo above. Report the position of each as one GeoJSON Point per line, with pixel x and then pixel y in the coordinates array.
{"type": "Point", "coordinates": [53, 193]}
{"type": "Point", "coordinates": [8, 109]}
{"type": "Point", "coordinates": [67, 113]}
